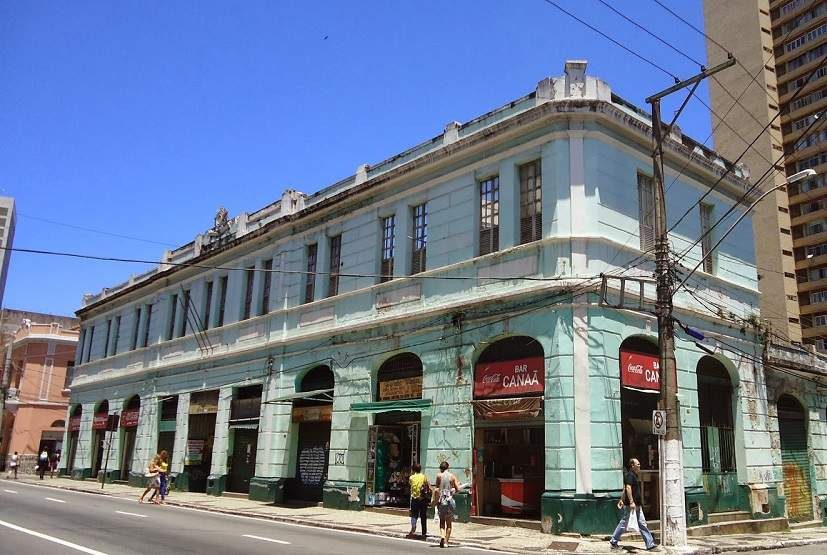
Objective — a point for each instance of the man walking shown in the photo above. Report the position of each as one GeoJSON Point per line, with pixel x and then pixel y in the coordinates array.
{"type": "Point", "coordinates": [43, 463]}
{"type": "Point", "coordinates": [631, 501]}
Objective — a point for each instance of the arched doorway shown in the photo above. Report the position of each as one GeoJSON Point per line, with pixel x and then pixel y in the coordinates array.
{"type": "Point", "coordinates": [312, 414]}
{"type": "Point", "coordinates": [244, 416]}
{"type": "Point", "coordinates": [129, 426]}
{"type": "Point", "coordinates": [74, 434]}
{"type": "Point", "coordinates": [393, 439]}
{"type": "Point", "coordinates": [166, 424]}
{"type": "Point", "coordinates": [716, 419]}
{"type": "Point", "coordinates": [639, 394]}
{"type": "Point", "coordinates": [509, 441]}
{"type": "Point", "coordinates": [792, 427]}
{"type": "Point", "coordinates": [99, 423]}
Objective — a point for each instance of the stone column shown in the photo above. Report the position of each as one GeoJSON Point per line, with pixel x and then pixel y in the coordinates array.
{"type": "Point", "coordinates": [273, 440]}
{"type": "Point", "coordinates": [509, 205]}
{"type": "Point", "coordinates": [146, 439]}
{"type": "Point", "coordinates": [83, 453]}
{"type": "Point", "coordinates": [182, 422]}
{"type": "Point", "coordinates": [217, 480]}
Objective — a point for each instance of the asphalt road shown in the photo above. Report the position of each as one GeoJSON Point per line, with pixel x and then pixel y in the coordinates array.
{"type": "Point", "coordinates": [44, 520]}
{"type": "Point", "coordinates": [803, 550]}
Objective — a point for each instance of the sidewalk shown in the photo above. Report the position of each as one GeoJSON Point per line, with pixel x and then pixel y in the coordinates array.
{"type": "Point", "coordinates": [509, 539]}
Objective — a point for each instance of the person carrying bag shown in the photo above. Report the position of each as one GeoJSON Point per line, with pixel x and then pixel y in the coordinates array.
{"type": "Point", "coordinates": [632, 519]}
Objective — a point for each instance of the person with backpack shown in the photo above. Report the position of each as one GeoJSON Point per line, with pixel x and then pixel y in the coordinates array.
{"type": "Point", "coordinates": [420, 499]}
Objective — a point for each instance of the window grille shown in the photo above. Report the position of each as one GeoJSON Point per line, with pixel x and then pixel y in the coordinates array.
{"type": "Point", "coordinates": [108, 334]}
{"type": "Point", "coordinates": [222, 299]}
{"type": "Point", "coordinates": [173, 307]}
{"type": "Point", "coordinates": [715, 413]}
{"type": "Point", "coordinates": [249, 275]}
{"type": "Point", "coordinates": [531, 203]}
{"type": "Point", "coordinates": [207, 305]}
{"type": "Point", "coordinates": [335, 263]}
{"type": "Point", "coordinates": [267, 279]}
{"type": "Point", "coordinates": [135, 329]}
{"type": "Point", "coordinates": [646, 214]}
{"type": "Point", "coordinates": [114, 347]}
{"type": "Point", "coordinates": [420, 238]}
{"type": "Point", "coordinates": [490, 215]}
{"type": "Point", "coordinates": [148, 309]}
{"type": "Point", "coordinates": [182, 331]}
{"type": "Point", "coordinates": [386, 266]}
{"type": "Point", "coordinates": [706, 242]}
{"type": "Point", "coordinates": [91, 343]}
{"type": "Point", "coordinates": [310, 276]}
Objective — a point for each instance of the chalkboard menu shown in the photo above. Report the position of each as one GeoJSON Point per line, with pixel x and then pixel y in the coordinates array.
{"type": "Point", "coordinates": [312, 465]}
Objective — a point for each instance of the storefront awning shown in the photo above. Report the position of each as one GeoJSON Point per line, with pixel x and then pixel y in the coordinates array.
{"type": "Point", "coordinates": [325, 395]}
{"type": "Point", "coordinates": [410, 405]}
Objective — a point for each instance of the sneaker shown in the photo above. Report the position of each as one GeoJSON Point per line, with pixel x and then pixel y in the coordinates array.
{"type": "Point", "coordinates": [653, 548]}
{"type": "Point", "coordinates": [614, 546]}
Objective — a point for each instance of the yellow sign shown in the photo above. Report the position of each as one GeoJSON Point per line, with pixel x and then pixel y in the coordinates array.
{"type": "Point", "coordinates": [321, 413]}
{"type": "Point", "coordinates": [403, 388]}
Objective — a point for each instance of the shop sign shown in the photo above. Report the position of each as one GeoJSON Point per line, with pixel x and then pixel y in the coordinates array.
{"type": "Point", "coordinates": [639, 371]}
{"type": "Point", "coordinates": [195, 449]}
{"type": "Point", "coordinates": [204, 407]}
{"type": "Point", "coordinates": [74, 424]}
{"type": "Point", "coordinates": [321, 413]}
{"type": "Point", "coordinates": [510, 378]}
{"type": "Point", "coordinates": [100, 421]}
{"type": "Point", "coordinates": [402, 388]}
{"type": "Point", "coordinates": [129, 418]}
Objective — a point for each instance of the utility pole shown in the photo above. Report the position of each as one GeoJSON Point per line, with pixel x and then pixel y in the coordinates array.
{"type": "Point", "coordinates": [673, 507]}
{"type": "Point", "coordinates": [5, 382]}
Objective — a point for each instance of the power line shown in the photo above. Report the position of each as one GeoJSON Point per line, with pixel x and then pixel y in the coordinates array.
{"type": "Point", "coordinates": [91, 230]}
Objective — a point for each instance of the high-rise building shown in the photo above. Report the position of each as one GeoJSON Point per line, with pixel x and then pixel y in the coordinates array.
{"type": "Point", "coordinates": [781, 47]}
{"type": "Point", "coordinates": [7, 219]}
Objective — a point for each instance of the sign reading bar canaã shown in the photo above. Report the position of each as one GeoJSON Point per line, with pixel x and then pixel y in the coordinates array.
{"type": "Point", "coordinates": [639, 371]}
{"type": "Point", "coordinates": [403, 388]}
{"type": "Point", "coordinates": [510, 378]}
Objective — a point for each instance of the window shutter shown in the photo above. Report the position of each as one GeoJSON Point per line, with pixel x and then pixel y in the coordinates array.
{"type": "Point", "coordinates": [646, 215]}
{"type": "Point", "coordinates": [531, 203]}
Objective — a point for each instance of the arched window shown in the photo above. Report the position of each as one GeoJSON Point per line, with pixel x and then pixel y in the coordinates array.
{"type": "Point", "coordinates": [795, 459]}
{"type": "Point", "coordinates": [58, 424]}
{"type": "Point", "coordinates": [317, 379]}
{"type": "Point", "coordinates": [399, 377]}
{"type": "Point", "coordinates": [715, 413]}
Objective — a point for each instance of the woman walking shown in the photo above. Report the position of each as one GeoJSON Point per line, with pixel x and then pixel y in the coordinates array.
{"type": "Point", "coordinates": [154, 481]}
{"type": "Point", "coordinates": [446, 486]}
{"type": "Point", "coordinates": [163, 475]}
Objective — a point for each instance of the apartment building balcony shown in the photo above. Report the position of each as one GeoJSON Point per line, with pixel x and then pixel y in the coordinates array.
{"type": "Point", "coordinates": [813, 107]}
{"type": "Point", "coordinates": [808, 240]}
{"type": "Point", "coordinates": [801, 71]}
{"type": "Point", "coordinates": [787, 56]}
{"type": "Point", "coordinates": [801, 154]}
{"type": "Point", "coordinates": [811, 195]}
{"type": "Point", "coordinates": [807, 263]}
{"type": "Point", "coordinates": [787, 17]}
{"type": "Point", "coordinates": [810, 216]}
{"type": "Point", "coordinates": [813, 308]}
{"type": "Point", "coordinates": [813, 285]}
{"type": "Point", "coordinates": [814, 332]}
{"type": "Point", "coordinates": [45, 332]}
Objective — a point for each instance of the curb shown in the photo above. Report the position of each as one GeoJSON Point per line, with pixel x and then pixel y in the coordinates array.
{"type": "Point", "coordinates": [285, 519]}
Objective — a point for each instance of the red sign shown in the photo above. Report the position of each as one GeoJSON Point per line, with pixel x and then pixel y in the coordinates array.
{"type": "Point", "coordinates": [100, 421]}
{"type": "Point", "coordinates": [129, 418]}
{"type": "Point", "coordinates": [74, 424]}
{"type": "Point", "coordinates": [639, 371]}
{"type": "Point", "coordinates": [509, 379]}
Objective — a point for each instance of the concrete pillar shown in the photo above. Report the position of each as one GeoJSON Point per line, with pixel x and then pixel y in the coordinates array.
{"type": "Point", "coordinates": [221, 441]}
{"type": "Point", "coordinates": [509, 205]}
{"type": "Point", "coordinates": [146, 440]}
{"type": "Point", "coordinates": [582, 402]}
{"type": "Point", "coordinates": [258, 282]}
{"type": "Point", "coordinates": [83, 452]}
{"type": "Point", "coordinates": [182, 422]}
{"type": "Point", "coordinates": [403, 240]}
{"type": "Point", "coordinates": [322, 265]}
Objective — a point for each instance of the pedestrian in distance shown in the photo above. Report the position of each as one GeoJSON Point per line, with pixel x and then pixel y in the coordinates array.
{"type": "Point", "coordinates": [154, 481]}
{"type": "Point", "coordinates": [14, 462]}
{"type": "Point", "coordinates": [631, 502]}
{"type": "Point", "coordinates": [163, 475]}
{"type": "Point", "coordinates": [420, 499]}
{"type": "Point", "coordinates": [446, 486]}
{"type": "Point", "coordinates": [43, 463]}
{"type": "Point", "coordinates": [55, 463]}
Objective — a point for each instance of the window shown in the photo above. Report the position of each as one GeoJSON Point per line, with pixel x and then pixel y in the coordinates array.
{"type": "Point", "coordinates": [310, 275]}
{"type": "Point", "coordinates": [335, 263]}
{"type": "Point", "coordinates": [386, 266]}
{"type": "Point", "coordinates": [249, 276]}
{"type": "Point", "coordinates": [790, 7]}
{"type": "Point", "coordinates": [182, 331]}
{"type": "Point", "coordinates": [207, 304]}
{"type": "Point", "coordinates": [266, 282]}
{"type": "Point", "coordinates": [646, 211]}
{"type": "Point", "coordinates": [820, 320]}
{"type": "Point", "coordinates": [222, 300]}
{"type": "Point", "coordinates": [91, 343]}
{"type": "Point", "coordinates": [490, 215]}
{"type": "Point", "coordinates": [108, 334]}
{"type": "Point", "coordinates": [116, 337]}
{"type": "Point", "coordinates": [706, 242]}
{"type": "Point", "coordinates": [531, 202]}
{"type": "Point", "coordinates": [816, 250]}
{"type": "Point", "coordinates": [46, 378]}
{"type": "Point", "coordinates": [173, 312]}
{"type": "Point", "coordinates": [81, 344]}
{"type": "Point", "coordinates": [135, 328]}
{"type": "Point", "coordinates": [419, 237]}
{"type": "Point", "coordinates": [70, 372]}
{"type": "Point", "coordinates": [148, 310]}
{"type": "Point", "coordinates": [815, 274]}
{"type": "Point", "coordinates": [818, 297]}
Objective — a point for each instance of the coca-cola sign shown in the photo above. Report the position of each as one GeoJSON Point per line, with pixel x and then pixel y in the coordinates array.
{"type": "Point", "coordinates": [509, 379]}
{"type": "Point", "coordinates": [100, 421]}
{"type": "Point", "coordinates": [129, 418]}
{"type": "Point", "coordinates": [639, 371]}
{"type": "Point", "coordinates": [74, 424]}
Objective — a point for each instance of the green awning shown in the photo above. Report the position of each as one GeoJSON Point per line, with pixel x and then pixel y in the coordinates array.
{"type": "Point", "coordinates": [325, 395]}
{"type": "Point", "coordinates": [411, 405]}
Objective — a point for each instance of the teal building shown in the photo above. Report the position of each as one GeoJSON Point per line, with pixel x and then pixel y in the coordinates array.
{"type": "Point", "coordinates": [483, 298]}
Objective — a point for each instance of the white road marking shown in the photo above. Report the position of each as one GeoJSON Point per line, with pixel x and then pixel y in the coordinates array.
{"type": "Point", "coordinates": [264, 539]}
{"type": "Point", "coordinates": [9, 491]}
{"type": "Point", "coordinates": [51, 539]}
{"type": "Point", "coordinates": [55, 500]}
{"type": "Point", "coordinates": [131, 514]}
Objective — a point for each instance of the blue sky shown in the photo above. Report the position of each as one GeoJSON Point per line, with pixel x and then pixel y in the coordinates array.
{"type": "Point", "coordinates": [142, 118]}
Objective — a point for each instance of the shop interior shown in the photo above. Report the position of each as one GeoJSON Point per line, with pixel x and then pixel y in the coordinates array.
{"type": "Point", "coordinates": [392, 450]}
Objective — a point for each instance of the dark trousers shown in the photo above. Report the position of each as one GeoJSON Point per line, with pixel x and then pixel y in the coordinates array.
{"type": "Point", "coordinates": [41, 469]}
{"type": "Point", "coordinates": [419, 509]}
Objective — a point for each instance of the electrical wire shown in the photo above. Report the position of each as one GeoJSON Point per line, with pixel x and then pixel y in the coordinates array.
{"type": "Point", "coordinates": [99, 231]}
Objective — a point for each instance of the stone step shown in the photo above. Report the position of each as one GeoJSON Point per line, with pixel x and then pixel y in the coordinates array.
{"type": "Point", "coordinates": [730, 516]}
{"type": "Point", "coordinates": [235, 495]}
{"type": "Point", "coordinates": [759, 526]}
{"type": "Point", "coordinates": [507, 521]}
{"type": "Point", "coordinates": [806, 524]}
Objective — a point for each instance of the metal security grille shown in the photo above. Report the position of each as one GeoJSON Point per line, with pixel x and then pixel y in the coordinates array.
{"type": "Point", "coordinates": [715, 414]}
{"type": "Point", "coordinates": [388, 228]}
{"type": "Point", "coordinates": [267, 278]}
{"type": "Point", "coordinates": [646, 214]}
{"type": "Point", "coordinates": [706, 242]}
{"type": "Point", "coordinates": [249, 275]}
{"type": "Point", "coordinates": [490, 215]}
{"type": "Point", "coordinates": [335, 263]}
{"type": "Point", "coordinates": [531, 203]}
{"type": "Point", "coordinates": [792, 427]}
{"type": "Point", "coordinates": [310, 276]}
{"type": "Point", "coordinates": [420, 238]}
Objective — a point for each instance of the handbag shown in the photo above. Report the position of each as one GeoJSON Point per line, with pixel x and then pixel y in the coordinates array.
{"type": "Point", "coordinates": [632, 524]}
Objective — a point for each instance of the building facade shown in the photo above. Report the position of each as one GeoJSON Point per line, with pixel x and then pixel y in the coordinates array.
{"type": "Point", "coordinates": [39, 360]}
{"type": "Point", "coordinates": [447, 305]}
{"type": "Point", "coordinates": [781, 44]}
{"type": "Point", "coordinates": [7, 222]}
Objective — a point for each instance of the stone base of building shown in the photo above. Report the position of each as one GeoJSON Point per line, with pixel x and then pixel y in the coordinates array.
{"type": "Point", "coordinates": [81, 473]}
{"type": "Point", "coordinates": [138, 480]}
{"type": "Point", "coordinates": [216, 484]}
{"type": "Point", "coordinates": [823, 506]}
{"type": "Point", "coordinates": [180, 481]}
{"type": "Point", "coordinates": [348, 496]}
{"type": "Point", "coordinates": [109, 475]}
{"type": "Point", "coordinates": [584, 514]}
{"type": "Point", "coordinates": [267, 489]}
